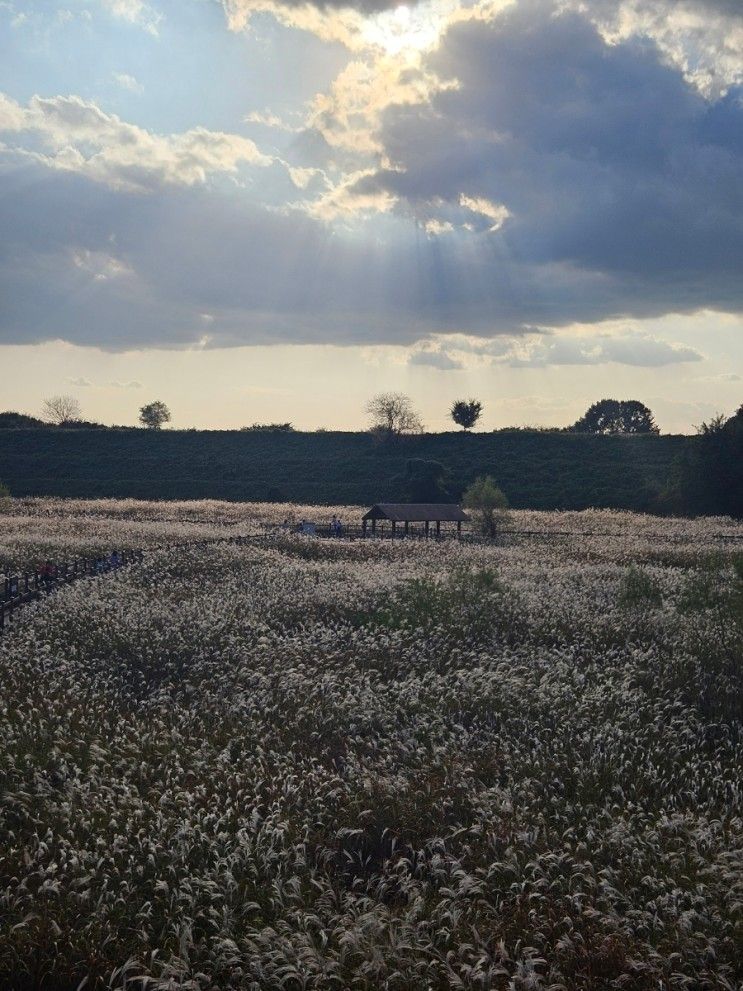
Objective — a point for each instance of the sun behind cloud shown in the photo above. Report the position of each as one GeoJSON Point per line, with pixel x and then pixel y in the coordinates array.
{"type": "Point", "coordinates": [407, 29]}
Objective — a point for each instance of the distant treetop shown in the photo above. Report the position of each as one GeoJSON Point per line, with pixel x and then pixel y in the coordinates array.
{"type": "Point", "coordinates": [269, 428]}
{"type": "Point", "coordinates": [466, 412]}
{"type": "Point", "coordinates": [61, 410]}
{"type": "Point", "coordinates": [392, 415]}
{"type": "Point", "coordinates": [616, 416]}
{"type": "Point", "coordinates": [153, 415]}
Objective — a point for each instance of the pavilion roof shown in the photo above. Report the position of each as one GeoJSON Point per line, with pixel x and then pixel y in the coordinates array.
{"type": "Point", "coordinates": [416, 512]}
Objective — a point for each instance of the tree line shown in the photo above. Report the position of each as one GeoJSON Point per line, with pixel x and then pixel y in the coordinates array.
{"type": "Point", "coordinates": [706, 477]}
{"type": "Point", "coordinates": [706, 480]}
{"type": "Point", "coordinates": [391, 414]}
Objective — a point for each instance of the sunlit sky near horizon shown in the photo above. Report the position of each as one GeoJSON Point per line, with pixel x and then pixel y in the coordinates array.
{"type": "Point", "coordinates": [259, 210]}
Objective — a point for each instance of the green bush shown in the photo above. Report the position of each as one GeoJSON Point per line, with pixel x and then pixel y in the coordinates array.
{"type": "Point", "coordinates": [467, 604]}
{"type": "Point", "coordinates": [706, 589]}
{"type": "Point", "coordinates": [639, 590]}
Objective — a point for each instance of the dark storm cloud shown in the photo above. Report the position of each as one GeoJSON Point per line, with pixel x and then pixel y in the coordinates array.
{"type": "Point", "coordinates": [88, 264]}
{"type": "Point", "coordinates": [118, 270]}
{"type": "Point", "coordinates": [608, 161]}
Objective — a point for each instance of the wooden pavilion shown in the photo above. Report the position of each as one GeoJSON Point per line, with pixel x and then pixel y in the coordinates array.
{"type": "Point", "coordinates": [405, 513]}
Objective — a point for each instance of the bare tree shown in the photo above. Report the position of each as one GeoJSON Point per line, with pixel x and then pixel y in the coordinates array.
{"type": "Point", "coordinates": [392, 415]}
{"type": "Point", "coordinates": [153, 415]}
{"type": "Point", "coordinates": [61, 410]}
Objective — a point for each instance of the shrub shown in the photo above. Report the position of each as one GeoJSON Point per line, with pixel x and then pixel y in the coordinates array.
{"type": "Point", "coordinates": [488, 503]}
{"type": "Point", "coordinates": [639, 590]}
{"type": "Point", "coordinates": [467, 604]}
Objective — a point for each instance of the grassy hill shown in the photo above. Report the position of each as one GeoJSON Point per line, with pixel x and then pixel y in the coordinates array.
{"type": "Point", "coordinates": [536, 470]}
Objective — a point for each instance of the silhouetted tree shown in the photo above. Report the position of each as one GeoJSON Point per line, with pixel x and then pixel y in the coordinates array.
{"type": "Point", "coordinates": [425, 481]}
{"type": "Point", "coordinates": [709, 478]}
{"type": "Point", "coordinates": [488, 504]}
{"type": "Point", "coordinates": [61, 410]}
{"type": "Point", "coordinates": [153, 415]}
{"type": "Point", "coordinates": [274, 428]}
{"type": "Point", "coordinates": [392, 415]}
{"type": "Point", "coordinates": [466, 412]}
{"type": "Point", "coordinates": [616, 416]}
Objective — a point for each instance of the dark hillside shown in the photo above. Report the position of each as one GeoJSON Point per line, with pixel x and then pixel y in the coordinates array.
{"type": "Point", "coordinates": [536, 470]}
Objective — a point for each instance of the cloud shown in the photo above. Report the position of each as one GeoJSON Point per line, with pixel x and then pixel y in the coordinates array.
{"type": "Point", "coordinates": [349, 114]}
{"type": "Point", "coordinates": [112, 268]}
{"type": "Point", "coordinates": [721, 377]}
{"type": "Point", "coordinates": [613, 183]}
{"type": "Point", "coordinates": [336, 23]}
{"type": "Point", "coordinates": [704, 38]}
{"type": "Point", "coordinates": [268, 119]}
{"type": "Point", "coordinates": [77, 136]}
{"type": "Point", "coordinates": [127, 82]}
{"type": "Point", "coordinates": [349, 199]}
{"type": "Point", "coordinates": [84, 383]}
{"type": "Point", "coordinates": [531, 170]}
{"type": "Point", "coordinates": [434, 358]}
{"type": "Point", "coordinates": [436, 227]}
{"type": "Point", "coordinates": [134, 12]}
{"type": "Point", "coordinates": [638, 350]}
{"type": "Point", "coordinates": [495, 213]}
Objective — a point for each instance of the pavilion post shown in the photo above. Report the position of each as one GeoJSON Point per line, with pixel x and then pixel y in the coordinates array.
{"type": "Point", "coordinates": [407, 528]}
{"type": "Point", "coordinates": [428, 527]}
{"type": "Point", "coordinates": [459, 528]}
{"type": "Point", "coordinates": [438, 529]}
{"type": "Point", "coordinates": [363, 528]}
{"type": "Point", "coordinates": [394, 527]}
{"type": "Point", "coordinates": [374, 527]}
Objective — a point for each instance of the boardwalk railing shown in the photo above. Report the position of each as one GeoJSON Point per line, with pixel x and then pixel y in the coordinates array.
{"type": "Point", "coordinates": [356, 532]}
{"type": "Point", "coordinates": [17, 591]}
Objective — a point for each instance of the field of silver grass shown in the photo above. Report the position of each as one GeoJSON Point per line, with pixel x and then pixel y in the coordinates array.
{"type": "Point", "coordinates": [330, 765]}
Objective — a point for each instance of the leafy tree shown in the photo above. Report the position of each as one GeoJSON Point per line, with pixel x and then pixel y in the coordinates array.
{"type": "Point", "coordinates": [392, 415]}
{"type": "Point", "coordinates": [709, 478]}
{"type": "Point", "coordinates": [488, 504]}
{"type": "Point", "coordinates": [425, 481]}
{"type": "Point", "coordinates": [466, 412]}
{"type": "Point", "coordinates": [616, 416]}
{"type": "Point", "coordinates": [153, 415]}
{"type": "Point", "coordinates": [61, 410]}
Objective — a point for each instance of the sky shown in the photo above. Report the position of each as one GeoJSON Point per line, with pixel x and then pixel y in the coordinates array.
{"type": "Point", "coordinates": [263, 210]}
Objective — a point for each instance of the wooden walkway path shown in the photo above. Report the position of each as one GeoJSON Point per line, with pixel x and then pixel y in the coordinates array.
{"type": "Point", "coordinates": [17, 591]}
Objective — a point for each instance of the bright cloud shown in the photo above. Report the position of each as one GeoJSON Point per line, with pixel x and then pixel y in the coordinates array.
{"type": "Point", "coordinates": [134, 12]}
{"type": "Point", "coordinates": [635, 349]}
{"type": "Point", "coordinates": [127, 82]}
{"type": "Point", "coordinates": [77, 136]}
